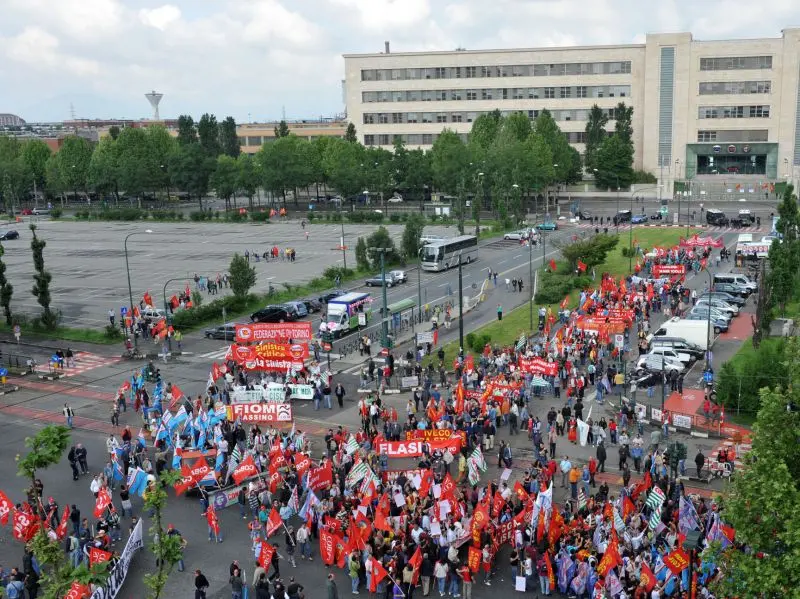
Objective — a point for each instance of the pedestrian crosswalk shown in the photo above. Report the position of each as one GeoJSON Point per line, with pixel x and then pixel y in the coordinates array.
{"type": "Point", "coordinates": [627, 226]}
{"type": "Point", "coordinates": [711, 459]}
{"type": "Point", "coordinates": [217, 354]}
{"type": "Point", "coordinates": [84, 362]}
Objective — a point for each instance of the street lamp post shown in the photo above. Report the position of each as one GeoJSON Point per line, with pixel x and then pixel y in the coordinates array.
{"type": "Point", "coordinates": [130, 289]}
{"type": "Point", "coordinates": [708, 321]}
{"type": "Point", "coordinates": [530, 279]}
{"type": "Point", "coordinates": [478, 206]}
{"type": "Point", "coordinates": [167, 310]}
{"type": "Point", "coordinates": [460, 307]}
{"type": "Point", "coordinates": [630, 231]}
{"type": "Point", "coordinates": [419, 283]}
{"type": "Point", "coordinates": [385, 310]}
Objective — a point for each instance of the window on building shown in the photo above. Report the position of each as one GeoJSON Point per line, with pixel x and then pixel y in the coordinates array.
{"type": "Point", "coordinates": [580, 91]}
{"type": "Point", "coordinates": [505, 93]}
{"type": "Point", "coordinates": [520, 70]}
{"type": "Point", "coordinates": [399, 96]}
{"type": "Point", "coordinates": [427, 117]}
{"type": "Point", "coordinates": [471, 72]}
{"type": "Point", "coordinates": [456, 117]}
{"type": "Point", "coordinates": [412, 117]}
{"type": "Point", "coordinates": [735, 63]}
{"type": "Point", "coordinates": [369, 140]}
{"type": "Point", "coordinates": [383, 118]}
{"type": "Point", "coordinates": [549, 92]}
{"type": "Point", "coordinates": [387, 97]}
{"type": "Point", "coordinates": [369, 97]}
{"type": "Point", "coordinates": [369, 118]}
{"type": "Point", "coordinates": [759, 112]}
{"type": "Point", "coordinates": [414, 95]}
{"type": "Point", "coordinates": [397, 118]}
{"type": "Point", "coordinates": [383, 139]}
{"type": "Point", "coordinates": [706, 136]}
{"type": "Point", "coordinates": [599, 92]}
{"type": "Point", "coordinates": [427, 95]}
{"type": "Point", "coordinates": [471, 116]}
{"type": "Point", "coordinates": [564, 92]}
{"type": "Point", "coordinates": [368, 75]}
{"type": "Point", "coordinates": [472, 94]}
{"type": "Point", "coordinates": [441, 117]}
{"type": "Point", "coordinates": [427, 139]}
{"type": "Point", "coordinates": [487, 94]}
{"type": "Point", "coordinates": [412, 73]}
{"type": "Point", "coordinates": [440, 73]}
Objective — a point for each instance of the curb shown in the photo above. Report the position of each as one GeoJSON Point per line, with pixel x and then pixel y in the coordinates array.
{"type": "Point", "coordinates": [49, 377]}
{"type": "Point", "coordinates": [699, 434]}
{"type": "Point", "coordinates": [7, 391]}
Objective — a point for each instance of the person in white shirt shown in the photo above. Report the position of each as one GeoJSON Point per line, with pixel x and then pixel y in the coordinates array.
{"type": "Point", "coordinates": [96, 485]}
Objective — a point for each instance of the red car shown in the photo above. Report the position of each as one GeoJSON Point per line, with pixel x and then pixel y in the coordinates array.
{"type": "Point", "coordinates": [26, 212]}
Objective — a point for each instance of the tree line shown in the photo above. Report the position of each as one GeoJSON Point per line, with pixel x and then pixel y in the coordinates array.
{"type": "Point", "coordinates": [505, 160]}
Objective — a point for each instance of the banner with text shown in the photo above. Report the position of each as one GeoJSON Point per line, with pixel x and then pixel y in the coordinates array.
{"type": "Point", "coordinates": [117, 577]}
{"type": "Point", "coordinates": [260, 412]}
{"type": "Point", "coordinates": [271, 356]}
{"type": "Point", "coordinates": [660, 270]}
{"type": "Point", "coordinates": [274, 331]}
{"type": "Point", "coordinates": [538, 366]}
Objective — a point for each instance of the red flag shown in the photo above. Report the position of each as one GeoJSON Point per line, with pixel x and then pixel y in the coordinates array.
{"type": "Point", "coordinates": [61, 529]}
{"type": "Point", "coordinates": [176, 395]}
{"type": "Point", "coordinates": [448, 487]}
{"type": "Point", "coordinates": [611, 559]}
{"type": "Point", "coordinates": [327, 549]}
{"type": "Point", "coordinates": [5, 508]}
{"type": "Point", "coordinates": [426, 484]}
{"type": "Point", "coordinates": [102, 502]}
{"type": "Point", "coordinates": [564, 303]}
{"type": "Point", "coordinates": [556, 528]}
{"type": "Point", "coordinates": [320, 478]}
{"type": "Point", "coordinates": [301, 463]}
{"type": "Point", "coordinates": [378, 574]}
{"type": "Point", "coordinates": [215, 371]}
{"type": "Point", "coordinates": [265, 555]}
{"type": "Point", "coordinates": [643, 486]}
{"type": "Point", "coordinates": [173, 302]}
{"type": "Point", "coordinates": [521, 492]}
{"type": "Point", "coordinates": [550, 573]}
{"type": "Point", "coordinates": [147, 299]}
{"type": "Point", "coordinates": [245, 469]}
{"type": "Point", "coordinates": [98, 556]}
{"type": "Point", "coordinates": [341, 550]}
{"type": "Point", "coordinates": [540, 527]}
{"type": "Point", "coordinates": [416, 562]}
{"type": "Point", "coordinates": [211, 518]}
{"type": "Point", "coordinates": [460, 397]}
{"type": "Point", "coordinates": [25, 525]}
{"type": "Point", "coordinates": [186, 480]}
{"type": "Point", "coordinates": [627, 507]}
{"type": "Point", "coordinates": [677, 561]}
{"type": "Point", "coordinates": [497, 504]}
{"type": "Point", "coordinates": [78, 591]}
{"type": "Point", "coordinates": [274, 522]}
{"type": "Point", "coordinates": [581, 265]}
{"type": "Point", "coordinates": [480, 517]}
{"type": "Point", "coordinates": [381, 522]}
{"type": "Point", "coordinates": [474, 559]}
{"type": "Point", "coordinates": [552, 265]}
{"type": "Point", "coordinates": [647, 577]}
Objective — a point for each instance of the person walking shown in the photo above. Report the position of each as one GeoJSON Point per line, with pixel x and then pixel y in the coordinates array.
{"type": "Point", "coordinates": [699, 461]}
{"type": "Point", "coordinates": [333, 591]}
{"type": "Point", "coordinates": [340, 393]}
{"type": "Point", "coordinates": [499, 312]}
{"type": "Point", "coordinates": [353, 569]}
{"type": "Point", "coordinates": [236, 583]}
{"type": "Point", "coordinates": [200, 585]}
{"type": "Point", "coordinates": [68, 415]}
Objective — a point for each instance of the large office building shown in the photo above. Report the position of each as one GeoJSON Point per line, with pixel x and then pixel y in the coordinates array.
{"type": "Point", "coordinates": [709, 108]}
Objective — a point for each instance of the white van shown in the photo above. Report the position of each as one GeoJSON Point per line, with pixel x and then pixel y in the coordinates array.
{"type": "Point", "coordinates": [736, 279]}
{"type": "Point", "coordinates": [693, 331]}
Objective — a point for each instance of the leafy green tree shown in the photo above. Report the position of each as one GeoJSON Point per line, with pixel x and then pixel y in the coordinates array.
{"type": "Point", "coordinates": [592, 251]}
{"type": "Point", "coordinates": [342, 163]}
{"type": "Point", "coordinates": [6, 289]}
{"type": "Point", "coordinates": [380, 238]}
{"type": "Point", "coordinates": [41, 282]}
{"type": "Point", "coordinates": [350, 134]}
{"type": "Point", "coordinates": [168, 549]}
{"type": "Point", "coordinates": [113, 131]}
{"type": "Point", "coordinates": [362, 260]}
{"type": "Point", "coordinates": [228, 139]}
{"type": "Point", "coordinates": [187, 132]}
{"type": "Point", "coordinates": [208, 134]}
{"type": "Point", "coordinates": [379, 170]}
{"type": "Point", "coordinates": [135, 165]}
{"type": "Point", "coordinates": [575, 173]}
{"type": "Point", "coordinates": [242, 276]}
{"type": "Point", "coordinates": [282, 130]}
{"type": "Point", "coordinates": [546, 126]}
{"type": "Point", "coordinates": [783, 276]}
{"type": "Point", "coordinates": [286, 164]}
{"type": "Point", "coordinates": [74, 158]}
{"type": "Point", "coordinates": [484, 130]}
{"type": "Point", "coordinates": [45, 449]}
{"type": "Point", "coordinates": [225, 178]}
{"type": "Point", "coordinates": [54, 180]}
{"type": "Point", "coordinates": [613, 163]}
{"type": "Point", "coordinates": [190, 169]}
{"type": "Point", "coordinates": [760, 502]}
{"type": "Point", "coordinates": [449, 162]}
{"type": "Point", "coordinates": [249, 177]}
{"type": "Point", "coordinates": [104, 168]}
{"type": "Point", "coordinates": [419, 173]}
{"type": "Point", "coordinates": [595, 134]}
{"type": "Point", "coordinates": [35, 153]}
{"type": "Point", "coordinates": [411, 234]}
{"type": "Point", "coordinates": [623, 122]}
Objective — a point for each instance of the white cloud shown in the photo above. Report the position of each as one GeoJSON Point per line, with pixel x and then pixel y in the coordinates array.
{"type": "Point", "coordinates": [258, 56]}
{"type": "Point", "coordinates": [160, 17]}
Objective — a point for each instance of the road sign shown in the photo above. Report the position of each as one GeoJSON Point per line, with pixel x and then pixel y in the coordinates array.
{"type": "Point", "coordinates": [326, 346]}
{"type": "Point", "coordinates": [619, 341]}
{"type": "Point", "coordinates": [384, 351]}
{"type": "Point", "coordinates": [123, 310]}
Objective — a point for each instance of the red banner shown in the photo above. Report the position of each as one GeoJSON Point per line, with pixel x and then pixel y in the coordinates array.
{"type": "Point", "coordinates": [5, 508]}
{"type": "Point", "coordinates": [191, 476]}
{"type": "Point", "coordinates": [102, 502]}
{"type": "Point", "coordinates": [598, 323]}
{"type": "Point", "coordinates": [269, 331]}
{"type": "Point", "coordinates": [668, 269]}
{"type": "Point", "coordinates": [25, 526]}
{"type": "Point", "coordinates": [245, 470]}
{"type": "Point", "coordinates": [435, 435]}
{"type": "Point", "coordinates": [271, 356]}
{"type": "Point", "coordinates": [98, 556]}
{"type": "Point", "coordinates": [537, 366]}
{"type": "Point", "coordinates": [78, 591]}
{"type": "Point", "coordinates": [265, 555]}
{"type": "Point", "coordinates": [327, 547]}
{"type": "Point", "coordinates": [320, 478]}
{"type": "Point", "coordinates": [260, 412]}
{"type": "Point", "coordinates": [413, 449]}
{"type": "Point", "coordinates": [474, 559]}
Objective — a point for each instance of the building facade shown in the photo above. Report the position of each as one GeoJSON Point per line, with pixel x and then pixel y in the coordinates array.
{"type": "Point", "coordinates": [254, 135]}
{"type": "Point", "coordinates": [10, 120]}
{"type": "Point", "coordinates": [700, 108]}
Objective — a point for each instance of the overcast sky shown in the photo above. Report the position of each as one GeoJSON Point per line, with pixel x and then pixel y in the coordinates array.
{"type": "Point", "coordinates": [264, 57]}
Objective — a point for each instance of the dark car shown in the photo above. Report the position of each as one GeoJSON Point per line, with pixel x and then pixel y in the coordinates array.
{"type": "Point", "coordinates": [734, 300]}
{"type": "Point", "coordinates": [8, 235]}
{"type": "Point", "coordinates": [271, 314]}
{"type": "Point", "coordinates": [584, 214]}
{"type": "Point", "coordinates": [313, 305]}
{"type": "Point", "coordinates": [623, 216]}
{"type": "Point", "coordinates": [226, 332]}
{"type": "Point", "coordinates": [325, 298]}
{"type": "Point", "coordinates": [734, 290]}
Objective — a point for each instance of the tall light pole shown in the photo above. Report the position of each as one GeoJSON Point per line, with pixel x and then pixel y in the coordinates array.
{"type": "Point", "coordinates": [167, 310]}
{"type": "Point", "coordinates": [630, 231]}
{"type": "Point", "coordinates": [419, 283]}
{"type": "Point", "coordinates": [460, 307]}
{"type": "Point", "coordinates": [130, 289]}
{"type": "Point", "coordinates": [478, 206]}
{"type": "Point", "coordinates": [384, 312]}
{"type": "Point", "coordinates": [530, 278]}
{"type": "Point", "coordinates": [708, 322]}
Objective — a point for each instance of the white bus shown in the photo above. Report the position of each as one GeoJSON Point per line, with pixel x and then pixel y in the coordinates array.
{"type": "Point", "coordinates": [443, 254]}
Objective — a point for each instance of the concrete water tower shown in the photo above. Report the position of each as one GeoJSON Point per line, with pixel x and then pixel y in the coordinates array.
{"type": "Point", "coordinates": [154, 99]}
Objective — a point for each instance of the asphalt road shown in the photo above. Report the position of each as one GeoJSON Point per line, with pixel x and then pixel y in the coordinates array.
{"type": "Point", "coordinates": [91, 390]}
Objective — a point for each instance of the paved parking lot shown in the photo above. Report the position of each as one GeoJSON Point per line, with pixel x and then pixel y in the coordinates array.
{"type": "Point", "coordinates": [87, 259]}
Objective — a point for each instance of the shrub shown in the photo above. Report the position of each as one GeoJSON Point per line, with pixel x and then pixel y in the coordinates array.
{"type": "Point", "coordinates": [235, 217]}
{"type": "Point", "coordinates": [332, 272]}
{"type": "Point", "coordinates": [212, 311]}
{"type": "Point", "coordinates": [395, 218]}
{"type": "Point", "coordinates": [261, 216]}
{"type": "Point", "coordinates": [750, 370]}
{"type": "Point", "coordinates": [56, 213]}
{"type": "Point", "coordinates": [336, 217]}
{"type": "Point", "coordinates": [112, 332]}
{"type": "Point", "coordinates": [198, 215]}
{"type": "Point", "coordinates": [310, 216]}
{"type": "Point", "coordinates": [355, 217]}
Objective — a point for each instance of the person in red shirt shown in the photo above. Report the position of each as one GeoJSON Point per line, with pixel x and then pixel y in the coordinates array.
{"type": "Point", "coordinates": [466, 577]}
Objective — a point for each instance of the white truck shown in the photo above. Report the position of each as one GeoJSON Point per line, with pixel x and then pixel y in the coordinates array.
{"type": "Point", "coordinates": [693, 331]}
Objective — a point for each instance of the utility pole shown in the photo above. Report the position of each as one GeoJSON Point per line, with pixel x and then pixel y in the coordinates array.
{"type": "Point", "coordinates": [530, 280]}
{"type": "Point", "coordinates": [385, 310]}
{"type": "Point", "coordinates": [460, 307]}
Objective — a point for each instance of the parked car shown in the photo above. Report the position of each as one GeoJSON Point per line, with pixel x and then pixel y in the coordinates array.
{"type": "Point", "coordinates": [226, 332]}
{"type": "Point", "coordinates": [153, 314]}
{"type": "Point", "coordinates": [379, 281]}
{"type": "Point", "coordinates": [638, 219]}
{"type": "Point", "coordinates": [549, 225]}
{"type": "Point", "coordinates": [516, 235]}
{"type": "Point", "coordinates": [400, 276]}
{"type": "Point", "coordinates": [715, 312]}
{"type": "Point", "coordinates": [623, 216]}
{"type": "Point", "coordinates": [271, 314]}
{"type": "Point", "coordinates": [584, 215]}
{"type": "Point", "coordinates": [41, 211]}
{"type": "Point", "coordinates": [719, 305]}
{"type": "Point", "coordinates": [6, 235]}
{"type": "Point", "coordinates": [733, 300]}
{"type": "Point", "coordinates": [659, 363]}
{"type": "Point", "coordinates": [296, 308]}
{"type": "Point", "coordinates": [313, 305]}
{"type": "Point", "coordinates": [326, 297]}
{"type": "Point", "coordinates": [679, 344]}
{"type": "Point", "coordinates": [732, 289]}
{"type": "Point", "coordinates": [719, 325]}
{"type": "Point", "coordinates": [426, 239]}
{"type": "Point", "coordinates": [395, 199]}
{"type": "Point", "coordinates": [657, 216]}
{"type": "Point", "coordinates": [26, 212]}
{"type": "Point", "coordinates": [684, 358]}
